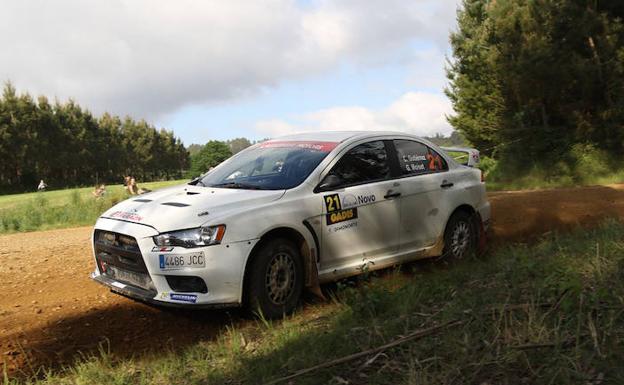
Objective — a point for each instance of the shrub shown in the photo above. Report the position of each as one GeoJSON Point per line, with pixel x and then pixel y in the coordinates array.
{"type": "Point", "coordinates": [488, 166]}
{"type": "Point", "coordinates": [589, 161]}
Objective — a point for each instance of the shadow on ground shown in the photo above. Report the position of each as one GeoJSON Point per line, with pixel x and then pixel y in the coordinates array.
{"type": "Point", "coordinates": [124, 330]}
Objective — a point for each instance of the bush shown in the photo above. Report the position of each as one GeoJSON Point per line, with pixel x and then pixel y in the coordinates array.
{"type": "Point", "coordinates": [488, 166]}
{"type": "Point", "coordinates": [582, 164]}
{"type": "Point", "coordinates": [589, 161]}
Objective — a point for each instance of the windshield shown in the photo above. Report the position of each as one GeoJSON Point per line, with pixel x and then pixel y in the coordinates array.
{"type": "Point", "coordinates": [271, 165]}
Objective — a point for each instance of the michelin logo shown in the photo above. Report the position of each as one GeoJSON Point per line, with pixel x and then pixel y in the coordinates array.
{"type": "Point", "coordinates": [183, 297]}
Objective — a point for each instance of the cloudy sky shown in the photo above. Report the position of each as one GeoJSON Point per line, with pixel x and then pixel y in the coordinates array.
{"type": "Point", "coordinates": [218, 69]}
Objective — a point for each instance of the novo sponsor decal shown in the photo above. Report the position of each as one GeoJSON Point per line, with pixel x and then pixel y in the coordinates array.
{"type": "Point", "coordinates": [127, 216]}
{"type": "Point", "coordinates": [365, 199]}
{"type": "Point", "coordinates": [350, 200]}
{"type": "Point", "coordinates": [183, 297]}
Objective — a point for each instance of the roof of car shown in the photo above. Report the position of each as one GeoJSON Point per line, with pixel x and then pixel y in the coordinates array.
{"type": "Point", "coordinates": [334, 136]}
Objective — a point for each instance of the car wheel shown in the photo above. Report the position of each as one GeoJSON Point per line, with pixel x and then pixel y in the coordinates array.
{"type": "Point", "coordinates": [459, 236]}
{"type": "Point", "coordinates": [275, 279]}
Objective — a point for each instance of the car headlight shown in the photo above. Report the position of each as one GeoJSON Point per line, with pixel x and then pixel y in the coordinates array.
{"type": "Point", "coordinates": [202, 236]}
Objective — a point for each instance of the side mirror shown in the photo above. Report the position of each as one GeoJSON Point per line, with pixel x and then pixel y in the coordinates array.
{"type": "Point", "coordinates": [329, 182]}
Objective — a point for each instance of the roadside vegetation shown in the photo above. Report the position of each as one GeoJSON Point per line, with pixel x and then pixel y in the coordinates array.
{"type": "Point", "coordinates": [586, 165]}
{"type": "Point", "coordinates": [539, 87]}
{"type": "Point", "coordinates": [583, 165]}
{"type": "Point", "coordinates": [550, 313]}
{"type": "Point", "coordinates": [61, 208]}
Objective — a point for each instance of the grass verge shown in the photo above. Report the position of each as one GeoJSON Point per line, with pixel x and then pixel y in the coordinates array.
{"type": "Point", "coordinates": [551, 313]}
{"type": "Point", "coordinates": [60, 208]}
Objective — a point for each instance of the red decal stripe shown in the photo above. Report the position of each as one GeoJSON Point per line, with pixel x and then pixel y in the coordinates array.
{"type": "Point", "coordinates": [312, 145]}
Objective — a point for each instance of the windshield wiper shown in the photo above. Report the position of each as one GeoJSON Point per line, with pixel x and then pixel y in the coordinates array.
{"type": "Point", "coordinates": [197, 181]}
{"type": "Point", "coordinates": [237, 185]}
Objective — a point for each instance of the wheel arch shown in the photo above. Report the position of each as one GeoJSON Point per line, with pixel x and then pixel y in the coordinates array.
{"type": "Point", "coordinates": [306, 247]}
{"type": "Point", "coordinates": [476, 221]}
{"type": "Point", "coordinates": [465, 207]}
{"type": "Point", "coordinates": [468, 209]}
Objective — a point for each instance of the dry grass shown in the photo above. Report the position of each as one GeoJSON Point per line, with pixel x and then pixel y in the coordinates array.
{"type": "Point", "coordinates": [551, 313]}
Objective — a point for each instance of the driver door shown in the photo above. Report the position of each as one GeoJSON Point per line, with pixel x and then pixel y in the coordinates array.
{"type": "Point", "coordinates": [361, 214]}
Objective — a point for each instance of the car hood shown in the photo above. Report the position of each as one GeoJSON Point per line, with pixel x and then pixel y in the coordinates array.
{"type": "Point", "coordinates": [187, 206]}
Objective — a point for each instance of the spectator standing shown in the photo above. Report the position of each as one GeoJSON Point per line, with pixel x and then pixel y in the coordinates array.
{"type": "Point", "coordinates": [128, 184]}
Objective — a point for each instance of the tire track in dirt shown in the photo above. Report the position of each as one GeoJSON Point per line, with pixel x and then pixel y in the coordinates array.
{"type": "Point", "coordinates": [50, 310]}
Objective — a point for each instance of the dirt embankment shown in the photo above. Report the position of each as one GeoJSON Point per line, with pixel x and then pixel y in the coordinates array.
{"type": "Point", "coordinates": [50, 310]}
{"type": "Point", "coordinates": [521, 216]}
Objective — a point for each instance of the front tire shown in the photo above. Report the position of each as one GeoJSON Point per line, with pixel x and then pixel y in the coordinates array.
{"type": "Point", "coordinates": [460, 236]}
{"type": "Point", "coordinates": [275, 279]}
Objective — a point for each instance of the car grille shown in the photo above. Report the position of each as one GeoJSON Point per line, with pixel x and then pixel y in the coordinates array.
{"type": "Point", "coordinates": [119, 257]}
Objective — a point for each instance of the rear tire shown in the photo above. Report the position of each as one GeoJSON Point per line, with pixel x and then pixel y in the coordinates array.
{"type": "Point", "coordinates": [460, 236]}
{"type": "Point", "coordinates": [275, 279]}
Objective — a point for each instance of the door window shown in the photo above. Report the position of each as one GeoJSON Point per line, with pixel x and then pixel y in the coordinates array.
{"type": "Point", "coordinates": [416, 158]}
{"type": "Point", "coordinates": [364, 163]}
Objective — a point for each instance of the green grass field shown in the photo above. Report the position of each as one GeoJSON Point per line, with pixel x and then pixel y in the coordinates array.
{"type": "Point", "coordinates": [61, 208]}
{"type": "Point", "coordinates": [62, 197]}
{"type": "Point", "coordinates": [550, 313]}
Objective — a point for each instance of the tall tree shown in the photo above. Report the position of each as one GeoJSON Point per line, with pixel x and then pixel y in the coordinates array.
{"type": "Point", "coordinates": [238, 144]}
{"type": "Point", "coordinates": [211, 154]}
{"type": "Point", "coordinates": [66, 145]}
{"type": "Point", "coordinates": [532, 78]}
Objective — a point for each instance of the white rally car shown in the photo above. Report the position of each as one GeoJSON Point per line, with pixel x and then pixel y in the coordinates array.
{"type": "Point", "coordinates": [291, 213]}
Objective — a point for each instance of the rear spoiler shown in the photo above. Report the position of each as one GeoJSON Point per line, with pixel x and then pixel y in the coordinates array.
{"type": "Point", "coordinates": [466, 156]}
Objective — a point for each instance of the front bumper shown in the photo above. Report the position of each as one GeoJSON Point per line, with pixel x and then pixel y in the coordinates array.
{"type": "Point", "coordinates": [222, 274]}
{"type": "Point", "coordinates": [147, 296]}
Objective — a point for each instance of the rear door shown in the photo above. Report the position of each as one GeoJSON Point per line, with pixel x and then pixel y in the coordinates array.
{"type": "Point", "coordinates": [426, 185]}
{"type": "Point", "coordinates": [361, 213]}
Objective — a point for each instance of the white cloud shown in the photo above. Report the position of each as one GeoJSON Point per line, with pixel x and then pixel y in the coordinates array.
{"type": "Point", "coordinates": [419, 113]}
{"type": "Point", "coordinates": [275, 127]}
{"type": "Point", "coordinates": [149, 58]}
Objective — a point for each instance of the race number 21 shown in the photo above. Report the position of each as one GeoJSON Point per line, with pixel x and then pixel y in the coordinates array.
{"type": "Point", "coordinates": [332, 202]}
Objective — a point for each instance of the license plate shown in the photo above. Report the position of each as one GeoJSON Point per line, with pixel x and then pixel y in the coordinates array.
{"type": "Point", "coordinates": [136, 279]}
{"type": "Point", "coordinates": [181, 261]}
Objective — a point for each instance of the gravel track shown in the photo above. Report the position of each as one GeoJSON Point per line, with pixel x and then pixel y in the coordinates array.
{"type": "Point", "coordinates": [51, 312]}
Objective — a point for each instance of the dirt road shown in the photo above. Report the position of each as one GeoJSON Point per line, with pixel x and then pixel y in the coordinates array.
{"type": "Point", "coordinates": [50, 310]}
